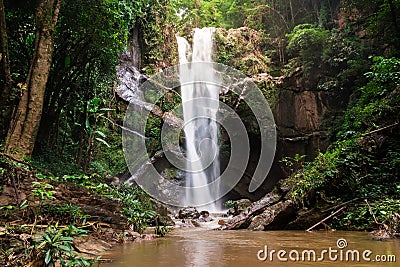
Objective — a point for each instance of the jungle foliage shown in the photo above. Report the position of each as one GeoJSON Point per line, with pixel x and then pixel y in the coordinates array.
{"type": "Point", "coordinates": [349, 47]}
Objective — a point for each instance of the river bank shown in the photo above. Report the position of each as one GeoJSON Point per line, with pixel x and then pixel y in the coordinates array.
{"type": "Point", "coordinates": [44, 218]}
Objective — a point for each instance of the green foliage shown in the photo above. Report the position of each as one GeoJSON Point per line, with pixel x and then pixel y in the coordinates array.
{"type": "Point", "coordinates": [312, 178]}
{"type": "Point", "coordinates": [9, 210]}
{"type": "Point", "coordinates": [243, 49]}
{"type": "Point", "coordinates": [42, 190]}
{"type": "Point", "coordinates": [293, 164]}
{"type": "Point", "coordinates": [93, 183]}
{"type": "Point", "coordinates": [65, 214]}
{"type": "Point", "coordinates": [386, 212]}
{"type": "Point", "coordinates": [364, 163]}
{"type": "Point", "coordinates": [153, 132]}
{"type": "Point", "coordinates": [379, 21]}
{"type": "Point", "coordinates": [157, 36]}
{"type": "Point", "coordinates": [308, 41]}
{"type": "Point", "coordinates": [275, 17]}
{"type": "Point", "coordinates": [58, 245]}
{"type": "Point", "coordinates": [136, 206]}
{"type": "Point", "coordinates": [340, 50]}
{"type": "Point", "coordinates": [229, 203]}
{"type": "Point", "coordinates": [88, 38]}
{"type": "Point", "coordinates": [379, 98]}
{"type": "Point", "coordinates": [162, 230]}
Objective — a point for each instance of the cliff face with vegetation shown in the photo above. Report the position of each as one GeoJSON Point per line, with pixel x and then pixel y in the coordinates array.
{"type": "Point", "coordinates": [304, 97]}
{"type": "Point", "coordinates": [329, 69]}
{"type": "Point", "coordinates": [318, 73]}
{"type": "Point", "coordinates": [331, 83]}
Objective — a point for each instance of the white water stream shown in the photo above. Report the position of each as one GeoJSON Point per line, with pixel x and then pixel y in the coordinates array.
{"type": "Point", "coordinates": [200, 98]}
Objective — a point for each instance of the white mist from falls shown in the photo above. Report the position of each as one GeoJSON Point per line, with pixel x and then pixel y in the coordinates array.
{"type": "Point", "coordinates": [200, 97]}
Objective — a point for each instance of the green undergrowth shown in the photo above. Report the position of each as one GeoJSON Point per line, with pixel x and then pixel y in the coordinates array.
{"type": "Point", "coordinates": [363, 165]}
{"type": "Point", "coordinates": [50, 224]}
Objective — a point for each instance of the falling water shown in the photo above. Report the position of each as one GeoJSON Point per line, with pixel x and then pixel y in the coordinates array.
{"type": "Point", "coordinates": [200, 106]}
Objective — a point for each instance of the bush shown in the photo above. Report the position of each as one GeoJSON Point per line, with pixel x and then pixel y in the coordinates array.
{"type": "Point", "coordinates": [308, 42]}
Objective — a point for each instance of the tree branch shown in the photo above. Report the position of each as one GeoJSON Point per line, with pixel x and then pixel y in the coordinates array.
{"type": "Point", "coordinates": [382, 129]}
{"type": "Point", "coordinates": [55, 14]}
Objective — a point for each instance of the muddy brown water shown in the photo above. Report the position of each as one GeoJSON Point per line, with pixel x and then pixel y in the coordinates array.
{"type": "Point", "coordinates": [200, 247]}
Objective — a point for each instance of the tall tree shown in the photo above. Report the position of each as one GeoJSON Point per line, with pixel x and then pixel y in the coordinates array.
{"type": "Point", "coordinates": [4, 57]}
{"type": "Point", "coordinates": [6, 71]}
{"type": "Point", "coordinates": [24, 126]}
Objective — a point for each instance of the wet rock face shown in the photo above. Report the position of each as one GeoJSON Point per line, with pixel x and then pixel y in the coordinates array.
{"type": "Point", "coordinates": [298, 112]}
{"type": "Point", "coordinates": [301, 108]}
{"type": "Point", "coordinates": [188, 213]}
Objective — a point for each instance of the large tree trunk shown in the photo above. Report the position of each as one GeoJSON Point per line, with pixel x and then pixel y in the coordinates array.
{"type": "Point", "coordinates": [5, 109]}
{"type": "Point", "coordinates": [25, 124]}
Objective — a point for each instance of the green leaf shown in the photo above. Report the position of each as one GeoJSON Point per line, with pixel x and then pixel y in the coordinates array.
{"type": "Point", "coordinates": [101, 140]}
{"type": "Point", "coordinates": [95, 101]}
{"type": "Point", "coordinates": [87, 125]}
{"type": "Point", "coordinates": [23, 204]}
{"type": "Point", "coordinates": [100, 133]}
{"type": "Point", "coordinates": [40, 176]}
{"type": "Point", "coordinates": [65, 248]}
{"type": "Point", "coordinates": [47, 238]}
{"type": "Point", "coordinates": [67, 61]}
{"type": "Point", "coordinates": [47, 258]}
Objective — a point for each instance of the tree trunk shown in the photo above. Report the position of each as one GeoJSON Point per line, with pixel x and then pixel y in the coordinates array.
{"type": "Point", "coordinates": [197, 14]}
{"type": "Point", "coordinates": [25, 124]}
{"type": "Point", "coordinates": [292, 13]}
{"type": "Point", "coordinates": [4, 53]}
{"type": "Point", "coordinates": [6, 109]}
{"type": "Point", "coordinates": [136, 53]}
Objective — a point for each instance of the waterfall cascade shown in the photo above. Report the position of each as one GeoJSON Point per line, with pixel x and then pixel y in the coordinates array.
{"type": "Point", "coordinates": [200, 97]}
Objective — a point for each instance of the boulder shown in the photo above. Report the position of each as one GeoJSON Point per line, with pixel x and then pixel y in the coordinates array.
{"type": "Point", "coordinates": [188, 213]}
{"type": "Point", "coordinates": [205, 216]}
{"type": "Point", "coordinates": [274, 217]}
{"type": "Point", "coordinates": [243, 220]}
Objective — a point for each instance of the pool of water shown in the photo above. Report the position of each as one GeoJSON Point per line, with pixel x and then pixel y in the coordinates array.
{"type": "Point", "coordinates": [201, 247]}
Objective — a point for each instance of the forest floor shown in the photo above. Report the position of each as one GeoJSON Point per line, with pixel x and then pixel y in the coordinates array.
{"type": "Point", "coordinates": [32, 207]}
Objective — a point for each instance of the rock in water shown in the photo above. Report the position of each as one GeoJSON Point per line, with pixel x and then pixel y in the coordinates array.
{"type": "Point", "coordinates": [273, 217]}
{"type": "Point", "coordinates": [243, 220]}
{"type": "Point", "coordinates": [188, 213]}
{"type": "Point", "coordinates": [205, 216]}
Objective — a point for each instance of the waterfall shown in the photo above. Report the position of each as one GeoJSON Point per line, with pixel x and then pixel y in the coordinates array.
{"type": "Point", "coordinates": [200, 97]}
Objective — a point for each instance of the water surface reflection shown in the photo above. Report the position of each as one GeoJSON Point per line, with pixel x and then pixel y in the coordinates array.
{"type": "Point", "coordinates": [198, 247]}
